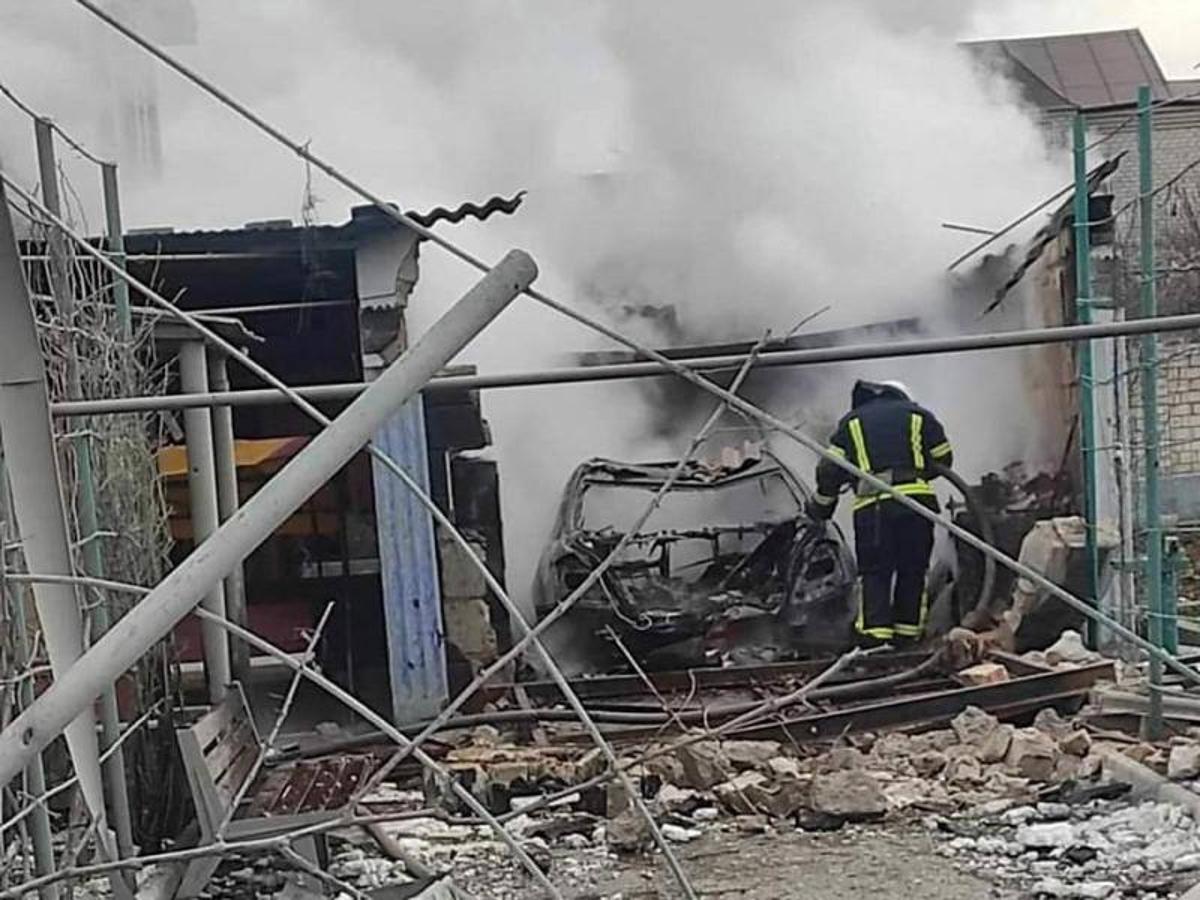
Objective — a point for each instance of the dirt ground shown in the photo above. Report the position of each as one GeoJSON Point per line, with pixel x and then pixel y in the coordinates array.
{"type": "Point", "coordinates": [848, 865]}
{"type": "Point", "coordinates": [853, 864]}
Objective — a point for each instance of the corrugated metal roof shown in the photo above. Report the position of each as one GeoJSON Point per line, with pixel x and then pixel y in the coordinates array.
{"type": "Point", "coordinates": [1103, 68]}
{"type": "Point", "coordinates": [281, 233]}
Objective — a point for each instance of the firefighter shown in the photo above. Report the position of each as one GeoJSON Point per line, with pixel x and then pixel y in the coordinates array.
{"type": "Point", "coordinates": [896, 440]}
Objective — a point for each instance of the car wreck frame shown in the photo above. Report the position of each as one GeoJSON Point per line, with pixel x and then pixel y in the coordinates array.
{"type": "Point", "coordinates": [770, 583]}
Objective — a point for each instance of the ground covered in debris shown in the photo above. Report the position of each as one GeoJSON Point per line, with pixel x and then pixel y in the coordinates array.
{"type": "Point", "coordinates": [981, 809]}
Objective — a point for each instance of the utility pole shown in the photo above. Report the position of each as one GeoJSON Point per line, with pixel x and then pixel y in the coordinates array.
{"type": "Point", "coordinates": [1087, 407]}
{"type": "Point", "coordinates": [89, 521]}
{"type": "Point", "coordinates": [1153, 523]}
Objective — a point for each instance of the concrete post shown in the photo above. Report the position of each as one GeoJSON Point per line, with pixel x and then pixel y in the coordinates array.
{"type": "Point", "coordinates": [202, 502]}
{"type": "Point", "coordinates": [182, 589]}
{"type": "Point", "coordinates": [224, 448]}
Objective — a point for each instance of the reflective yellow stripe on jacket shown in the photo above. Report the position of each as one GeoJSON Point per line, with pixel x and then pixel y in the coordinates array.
{"type": "Point", "coordinates": [919, 488]}
{"type": "Point", "coordinates": [915, 422]}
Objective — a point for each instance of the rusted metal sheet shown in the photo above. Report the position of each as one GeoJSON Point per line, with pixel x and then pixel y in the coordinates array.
{"type": "Point", "coordinates": [308, 786]}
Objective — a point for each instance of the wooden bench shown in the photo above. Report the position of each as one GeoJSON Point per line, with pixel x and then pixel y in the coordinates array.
{"type": "Point", "coordinates": [219, 752]}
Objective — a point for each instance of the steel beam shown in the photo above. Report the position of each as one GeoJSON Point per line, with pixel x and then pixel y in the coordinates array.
{"type": "Point", "coordinates": [153, 618]}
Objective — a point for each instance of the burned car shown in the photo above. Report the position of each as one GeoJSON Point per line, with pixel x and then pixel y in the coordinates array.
{"type": "Point", "coordinates": [728, 568]}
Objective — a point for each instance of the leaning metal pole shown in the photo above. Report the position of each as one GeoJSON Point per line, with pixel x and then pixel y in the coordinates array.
{"type": "Point", "coordinates": [325, 454]}
{"type": "Point", "coordinates": [1087, 408]}
{"type": "Point", "coordinates": [1153, 523]}
{"type": "Point", "coordinates": [35, 773]}
{"type": "Point", "coordinates": [40, 518]}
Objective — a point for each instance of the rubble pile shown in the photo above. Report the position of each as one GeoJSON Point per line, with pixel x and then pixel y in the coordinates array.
{"type": "Point", "coordinates": [1097, 848]}
{"type": "Point", "coordinates": [1025, 807]}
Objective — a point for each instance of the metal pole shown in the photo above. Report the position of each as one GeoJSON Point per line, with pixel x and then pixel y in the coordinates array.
{"type": "Point", "coordinates": [1170, 622]}
{"type": "Point", "coordinates": [203, 509]}
{"type": "Point", "coordinates": [578, 374]}
{"type": "Point", "coordinates": [225, 451]}
{"type": "Point", "coordinates": [40, 518]}
{"type": "Point", "coordinates": [43, 133]}
{"type": "Point", "coordinates": [115, 233]}
{"type": "Point", "coordinates": [35, 773]}
{"type": "Point", "coordinates": [1153, 524]}
{"type": "Point", "coordinates": [86, 508]}
{"type": "Point", "coordinates": [182, 589]}
{"type": "Point", "coordinates": [1087, 410]}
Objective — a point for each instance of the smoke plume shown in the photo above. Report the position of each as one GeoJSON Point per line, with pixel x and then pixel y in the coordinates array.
{"type": "Point", "coordinates": [697, 172]}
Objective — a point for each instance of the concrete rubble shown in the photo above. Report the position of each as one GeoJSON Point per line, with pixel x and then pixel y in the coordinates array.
{"type": "Point", "coordinates": [1024, 807]}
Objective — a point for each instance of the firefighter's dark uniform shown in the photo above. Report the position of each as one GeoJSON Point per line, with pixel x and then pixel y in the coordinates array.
{"type": "Point", "coordinates": [890, 436]}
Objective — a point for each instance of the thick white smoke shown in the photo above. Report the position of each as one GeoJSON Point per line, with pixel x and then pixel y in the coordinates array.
{"type": "Point", "coordinates": [745, 164]}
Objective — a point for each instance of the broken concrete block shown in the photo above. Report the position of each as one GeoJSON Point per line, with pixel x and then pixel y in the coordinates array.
{"type": "Point", "coordinates": [682, 801]}
{"type": "Point", "coordinates": [590, 765]}
{"type": "Point", "coordinates": [983, 673]}
{"type": "Point", "coordinates": [973, 725]}
{"type": "Point", "coordinates": [929, 763]}
{"type": "Point", "coordinates": [1184, 762]}
{"type": "Point", "coordinates": [616, 799]}
{"type": "Point", "coordinates": [667, 768]}
{"type": "Point", "coordinates": [840, 758]}
{"type": "Point", "coordinates": [1076, 743]}
{"type": "Point", "coordinates": [963, 770]}
{"type": "Point", "coordinates": [852, 795]}
{"type": "Point", "coordinates": [783, 767]}
{"type": "Point", "coordinates": [778, 800]}
{"type": "Point", "coordinates": [1048, 721]}
{"type": "Point", "coordinates": [1069, 648]}
{"type": "Point", "coordinates": [734, 794]}
{"type": "Point", "coordinates": [994, 748]}
{"type": "Point", "coordinates": [701, 763]}
{"type": "Point", "coordinates": [680, 835]}
{"type": "Point", "coordinates": [628, 833]}
{"type": "Point", "coordinates": [1032, 754]}
{"type": "Point", "coordinates": [744, 755]}
{"type": "Point", "coordinates": [1139, 752]}
{"type": "Point", "coordinates": [1047, 835]}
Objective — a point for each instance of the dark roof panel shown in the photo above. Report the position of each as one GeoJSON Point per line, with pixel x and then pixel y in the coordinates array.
{"type": "Point", "coordinates": [1091, 69]}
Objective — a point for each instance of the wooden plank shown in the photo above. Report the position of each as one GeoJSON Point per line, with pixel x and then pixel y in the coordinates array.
{"type": "Point", "coordinates": [212, 725]}
{"type": "Point", "coordinates": [204, 791]}
{"type": "Point", "coordinates": [231, 748]}
{"type": "Point", "coordinates": [235, 777]}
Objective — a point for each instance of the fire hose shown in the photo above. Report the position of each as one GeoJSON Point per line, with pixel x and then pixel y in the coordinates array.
{"type": "Point", "coordinates": [984, 528]}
